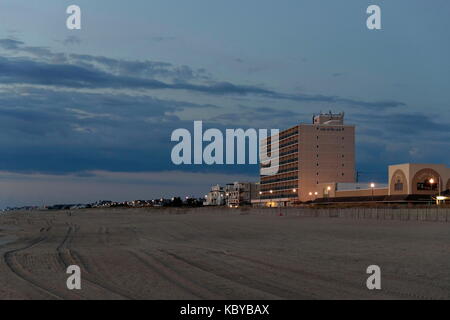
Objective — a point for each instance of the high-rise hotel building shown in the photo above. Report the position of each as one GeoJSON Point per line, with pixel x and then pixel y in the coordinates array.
{"type": "Point", "coordinates": [309, 156]}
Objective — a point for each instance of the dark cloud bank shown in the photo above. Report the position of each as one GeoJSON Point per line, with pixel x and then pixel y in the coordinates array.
{"type": "Point", "coordinates": [51, 124]}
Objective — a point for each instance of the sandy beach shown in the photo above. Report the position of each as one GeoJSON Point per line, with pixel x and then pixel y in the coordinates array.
{"type": "Point", "coordinates": [219, 254]}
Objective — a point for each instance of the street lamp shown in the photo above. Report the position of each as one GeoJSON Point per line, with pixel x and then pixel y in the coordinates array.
{"type": "Point", "coordinates": [328, 191]}
{"type": "Point", "coordinates": [372, 186]}
{"type": "Point", "coordinates": [431, 181]}
{"type": "Point", "coordinates": [294, 190]}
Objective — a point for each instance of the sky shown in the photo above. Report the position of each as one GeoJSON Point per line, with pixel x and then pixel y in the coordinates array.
{"type": "Point", "coordinates": [87, 114]}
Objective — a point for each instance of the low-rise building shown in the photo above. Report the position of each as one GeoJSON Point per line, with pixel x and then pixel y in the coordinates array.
{"type": "Point", "coordinates": [216, 197]}
{"type": "Point", "coordinates": [241, 193]}
{"type": "Point", "coordinates": [233, 194]}
{"type": "Point", "coordinates": [409, 182]}
{"type": "Point", "coordinates": [418, 179]}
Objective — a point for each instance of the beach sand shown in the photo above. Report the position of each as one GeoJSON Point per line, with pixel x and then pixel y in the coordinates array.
{"type": "Point", "coordinates": [219, 254]}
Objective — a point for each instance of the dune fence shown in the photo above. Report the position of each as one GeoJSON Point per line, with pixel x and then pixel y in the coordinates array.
{"type": "Point", "coordinates": [403, 214]}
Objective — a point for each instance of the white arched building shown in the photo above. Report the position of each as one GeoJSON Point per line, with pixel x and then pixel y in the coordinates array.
{"type": "Point", "coordinates": [409, 182]}
{"type": "Point", "coordinates": [418, 179]}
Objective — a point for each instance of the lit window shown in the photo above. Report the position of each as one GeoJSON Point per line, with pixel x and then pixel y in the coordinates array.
{"type": "Point", "coordinates": [426, 186]}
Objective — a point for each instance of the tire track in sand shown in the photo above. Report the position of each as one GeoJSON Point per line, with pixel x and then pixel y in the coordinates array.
{"type": "Point", "coordinates": [17, 269]}
{"type": "Point", "coordinates": [167, 272]}
{"type": "Point", "coordinates": [69, 257]}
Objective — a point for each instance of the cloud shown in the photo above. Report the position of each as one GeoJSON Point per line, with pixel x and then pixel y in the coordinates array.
{"type": "Point", "coordinates": [58, 132]}
{"type": "Point", "coordinates": [11, 44]}
{"type": "Point", "coordinates": [86, 71]}
{"type": "Point", "coordinates": [412, 125]}
{"type": "Point", "coordinates": [25, 71]}
{"type": "Point", "coordinates": [261, 117]}
{"type": "Point", "coordinates": [386, 139]}
{"type": "Point", "coordinates": [20, 47]}
{"type": "Point", "coordinates": [72, 115]}
{"type": "Point", "coordinates": [146, 69]}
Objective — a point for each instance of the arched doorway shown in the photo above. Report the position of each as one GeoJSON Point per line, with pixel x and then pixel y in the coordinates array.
{"type": "Point", "coordinates": [398, 183]}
